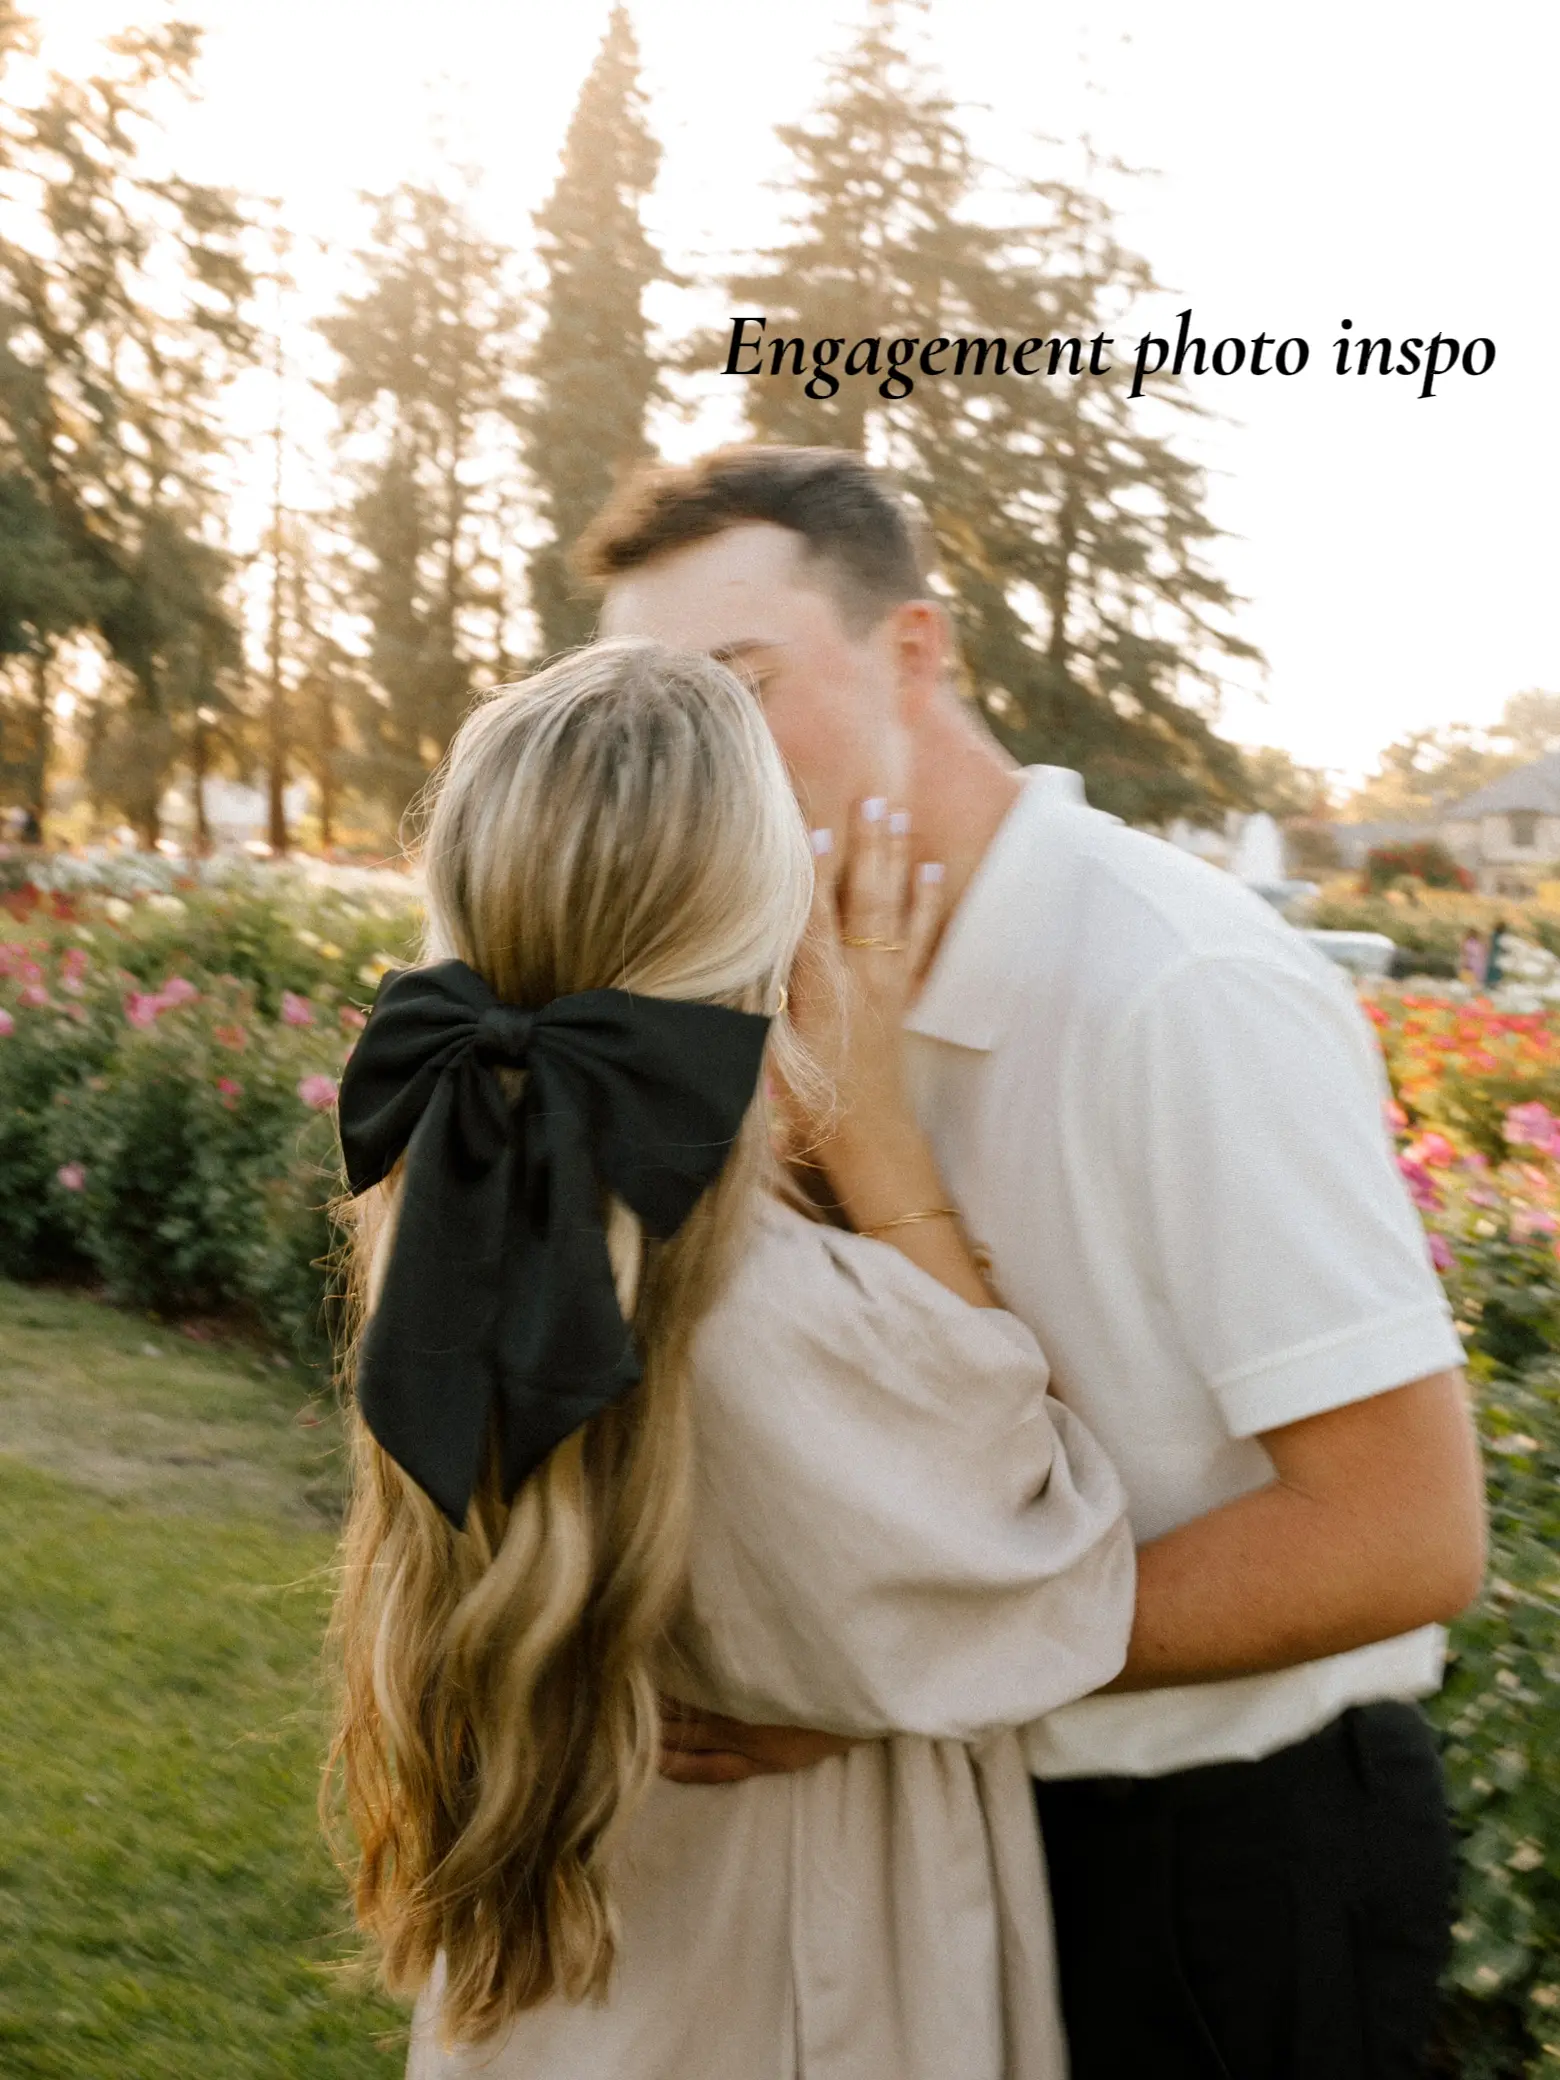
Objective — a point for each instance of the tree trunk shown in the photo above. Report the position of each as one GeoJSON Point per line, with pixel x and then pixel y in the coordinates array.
{"type": "Point", "coordinates": [36, 780]}
{"type": "Point", "coordinates": [198, 768]}
{"type": "Point", "coordinates": [276, 706]}
{"type": "Point", "coordinates": [327, 771]}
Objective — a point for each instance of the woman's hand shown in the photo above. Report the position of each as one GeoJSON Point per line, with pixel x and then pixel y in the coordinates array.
{"type": "Point", "coordinates": [873, 924]}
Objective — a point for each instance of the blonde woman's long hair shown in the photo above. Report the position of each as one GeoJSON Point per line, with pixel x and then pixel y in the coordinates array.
{"type": "Point", "coordinates": [620, 820]}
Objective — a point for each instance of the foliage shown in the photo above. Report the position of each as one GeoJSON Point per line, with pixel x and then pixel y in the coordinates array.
{"type": "Point", "coordinates": [1282, 786]}
{"type": "Point", "coordinates": [1312, 848]}
{"type": "Point", "coordinates": [1425, 860]}
{"type": "Point", "coordinates": [122, 294]}
{"type": "Point", "coordinates": [1480, 1151]}
{"type": "Point", "coordinates": [167, 1069]}
{"type": "Point", "coordinates": [425, 354]}
{"type": "Point", "coordinates": [167, 1911]}
{"type": "Point", "coordinates": [1428, 770]}
{"type": "Point", "coordinates": [1072, 536]}
{"type": "Point", "coordinates": [1430, 925]}
{"type": "Point", "coordinates": [592, 371]}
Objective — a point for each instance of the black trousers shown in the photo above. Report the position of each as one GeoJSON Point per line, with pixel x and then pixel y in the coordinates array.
{"type": "Point", "coordinates": [1277, 1920]}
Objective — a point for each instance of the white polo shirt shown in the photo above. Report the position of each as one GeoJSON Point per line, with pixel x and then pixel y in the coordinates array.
{"type": "Point", "coordinates": [1162, 1113]}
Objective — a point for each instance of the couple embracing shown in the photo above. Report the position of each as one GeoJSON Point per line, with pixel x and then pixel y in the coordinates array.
{"type": "Point", "coordinates": [909, 1458]}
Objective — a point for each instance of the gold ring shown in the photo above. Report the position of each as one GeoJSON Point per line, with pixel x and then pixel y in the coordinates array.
{"type": "Point", "coordinates": [878, 945]}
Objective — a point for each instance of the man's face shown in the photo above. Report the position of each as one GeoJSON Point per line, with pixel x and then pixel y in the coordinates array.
{"type": "Point", "coordinates": [749, 598]}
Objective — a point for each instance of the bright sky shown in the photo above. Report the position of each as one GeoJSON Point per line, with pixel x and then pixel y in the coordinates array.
{"type": "Point", "coordinates": [1393, 164]}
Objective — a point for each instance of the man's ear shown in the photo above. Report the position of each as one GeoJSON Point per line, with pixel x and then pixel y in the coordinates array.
{"type": "Point", "coordinates": [922, 644]}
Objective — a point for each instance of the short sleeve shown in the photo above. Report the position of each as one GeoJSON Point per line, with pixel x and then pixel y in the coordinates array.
{"type": "Point", "coordinates": [897, 1529]}
{"type": "Point", "coordinates": [1262, 1194]}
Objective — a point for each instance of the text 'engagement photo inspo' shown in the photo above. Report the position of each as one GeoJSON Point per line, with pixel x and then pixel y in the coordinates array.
{"type": "Point", "coordinates": [897, 360]}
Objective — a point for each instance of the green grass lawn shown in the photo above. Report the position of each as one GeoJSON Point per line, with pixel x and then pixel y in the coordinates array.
{"type": "Point", "coordinates": [166, 1909]}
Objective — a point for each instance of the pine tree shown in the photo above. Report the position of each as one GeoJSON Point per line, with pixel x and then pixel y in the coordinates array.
{"type": "Point", "coordinates": [593, 375]}
{"type": "Point", "coordinates": [122, 295]}
{"type": "Point", "coordinates": [1072, 537]}
{"type": "Point", "coordinates": [422, 390]}
{"type": "Point", "coordinates": [45, 593]}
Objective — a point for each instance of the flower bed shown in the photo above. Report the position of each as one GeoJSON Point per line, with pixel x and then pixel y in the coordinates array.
{"type": "Point", "coordinates": [1476, 1115]}
{"type": "Point", "coordinates": [168, 1068]}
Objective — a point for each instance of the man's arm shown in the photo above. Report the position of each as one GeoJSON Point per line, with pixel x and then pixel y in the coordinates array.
{"type": "Point", "coordinates": [1374, 1525]}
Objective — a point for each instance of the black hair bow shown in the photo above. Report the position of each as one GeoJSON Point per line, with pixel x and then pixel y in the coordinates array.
{"type": "Point", "coordinates": [499, 1293]}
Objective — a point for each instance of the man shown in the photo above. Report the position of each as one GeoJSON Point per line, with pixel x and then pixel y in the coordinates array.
{"type": "Point", "coordinates": [1160, 1112]}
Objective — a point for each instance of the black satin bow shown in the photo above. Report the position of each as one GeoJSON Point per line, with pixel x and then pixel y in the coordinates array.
{"type": "Point", "coordinates": [499, 1292]}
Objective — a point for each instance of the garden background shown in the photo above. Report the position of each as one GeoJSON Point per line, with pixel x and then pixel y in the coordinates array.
{"type": "Point", "coordinates": [277, 504]}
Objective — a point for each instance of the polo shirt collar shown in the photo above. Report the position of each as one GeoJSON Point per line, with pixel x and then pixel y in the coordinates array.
{"type": "Point", "coordinates": [972, 985]}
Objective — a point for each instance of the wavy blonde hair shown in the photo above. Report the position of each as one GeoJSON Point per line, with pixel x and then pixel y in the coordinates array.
{"type": "Point", "coordinates": [620, 820]}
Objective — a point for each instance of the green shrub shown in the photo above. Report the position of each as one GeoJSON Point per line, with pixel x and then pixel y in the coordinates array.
{"type": "Point", "coordinates": [1431, 940]}
{"type": "Point", "coordinates": [1499, 1711]}
{"type": "Point", "coordinates": [177, 1141]}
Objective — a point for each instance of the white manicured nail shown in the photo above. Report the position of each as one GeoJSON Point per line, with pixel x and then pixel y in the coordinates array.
{"type": "Point", "coordinates": [899, 822]}
{"type": "Point", "coordinates": [822, 842]}
{"type": "Point", "coordinates": [930, 870]}
{"type": "Point", "coordinates": [874, 808]}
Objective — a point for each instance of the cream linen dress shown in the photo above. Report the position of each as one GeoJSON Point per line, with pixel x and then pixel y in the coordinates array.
{"type": "Point", "coordinates": [898, 1535]}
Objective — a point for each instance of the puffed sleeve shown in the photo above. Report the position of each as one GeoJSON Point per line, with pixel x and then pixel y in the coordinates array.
{"type": "Point", "coordinates": [897, 1529]}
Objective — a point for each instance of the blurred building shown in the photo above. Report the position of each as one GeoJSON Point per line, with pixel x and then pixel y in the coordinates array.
{"type": "Point", "coordinates": [1508, 834]}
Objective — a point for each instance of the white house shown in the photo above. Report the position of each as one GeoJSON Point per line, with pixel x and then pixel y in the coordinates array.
{"type": "Point", "coordinates": [1508, 834]}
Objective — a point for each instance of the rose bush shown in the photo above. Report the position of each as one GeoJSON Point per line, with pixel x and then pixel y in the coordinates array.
{"type": "Point", "coordinates": [1478, 1136]}
{"type": "Point", "coordinates": [168, 1067]}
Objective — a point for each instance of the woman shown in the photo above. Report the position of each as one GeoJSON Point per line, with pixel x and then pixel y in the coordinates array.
{"type": "Point", "coordinates": [630, 1422]}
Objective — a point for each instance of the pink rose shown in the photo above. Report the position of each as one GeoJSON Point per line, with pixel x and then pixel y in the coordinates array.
{"type": "Point", "coordinates": [296, 1010]}
{"type": "Point", "coordinates": [317, 1092]}
{"type": "Point", "coordinates": [353, 1019]}
{"type": "Point", "coordinates": [1397, 1118]}
{"type": "Point", "coordinates": [178, 989]}
{"type": "Point", "coordinates": [1530, 1126]}
{"type": "Point", "coordinates": [230, 1090]}
{"type": "Point", "coordinates": [142, 1007]}
{"type": "Point", "coordinates": [7, 1024]}
{"type": "Point", "coordinates": [71, 1176]}
{"type": "Point", "coordinates": [1421, 1185]}
{"type": "Point", "coordinates": [1441, 1252]}
{"type": "Point", "coordinates": [35, 996]}
{"type": "Point", "coordinates": [1434, 1151]}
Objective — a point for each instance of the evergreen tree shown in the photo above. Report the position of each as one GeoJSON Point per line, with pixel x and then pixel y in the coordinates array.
{"type": "Point", "coordinates": [122, 294]}
{"type": "Point", "coordinates": [425, 364]}
{"type": "Point", "coordinates": [1530, 723]}
{"type": "Point", "coordinates": [1072, 537]}
{"type": "Point", "coordinates": [45, 592]}
{"type": "Point", "coordinates": [592, 372]}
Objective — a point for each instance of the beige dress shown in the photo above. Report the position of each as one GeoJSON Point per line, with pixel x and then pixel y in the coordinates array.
{"type": "Point", "coordinates": [898, 1535]}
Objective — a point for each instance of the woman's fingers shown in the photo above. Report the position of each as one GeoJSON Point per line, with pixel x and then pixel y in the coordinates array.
{"type": "Point", "coordinates": [872, 905]}
{"type": "Point", "coordinates": [926, 909]}
{"type": "Point", "coordinates": [827, 862]}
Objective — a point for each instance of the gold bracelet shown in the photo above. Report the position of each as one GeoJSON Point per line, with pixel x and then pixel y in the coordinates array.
{"type": "Point", "coordinates": [904, 1220]}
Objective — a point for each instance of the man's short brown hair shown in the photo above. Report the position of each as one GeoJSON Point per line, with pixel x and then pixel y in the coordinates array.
{"type": "Point", "coordinates": [851, 521]}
